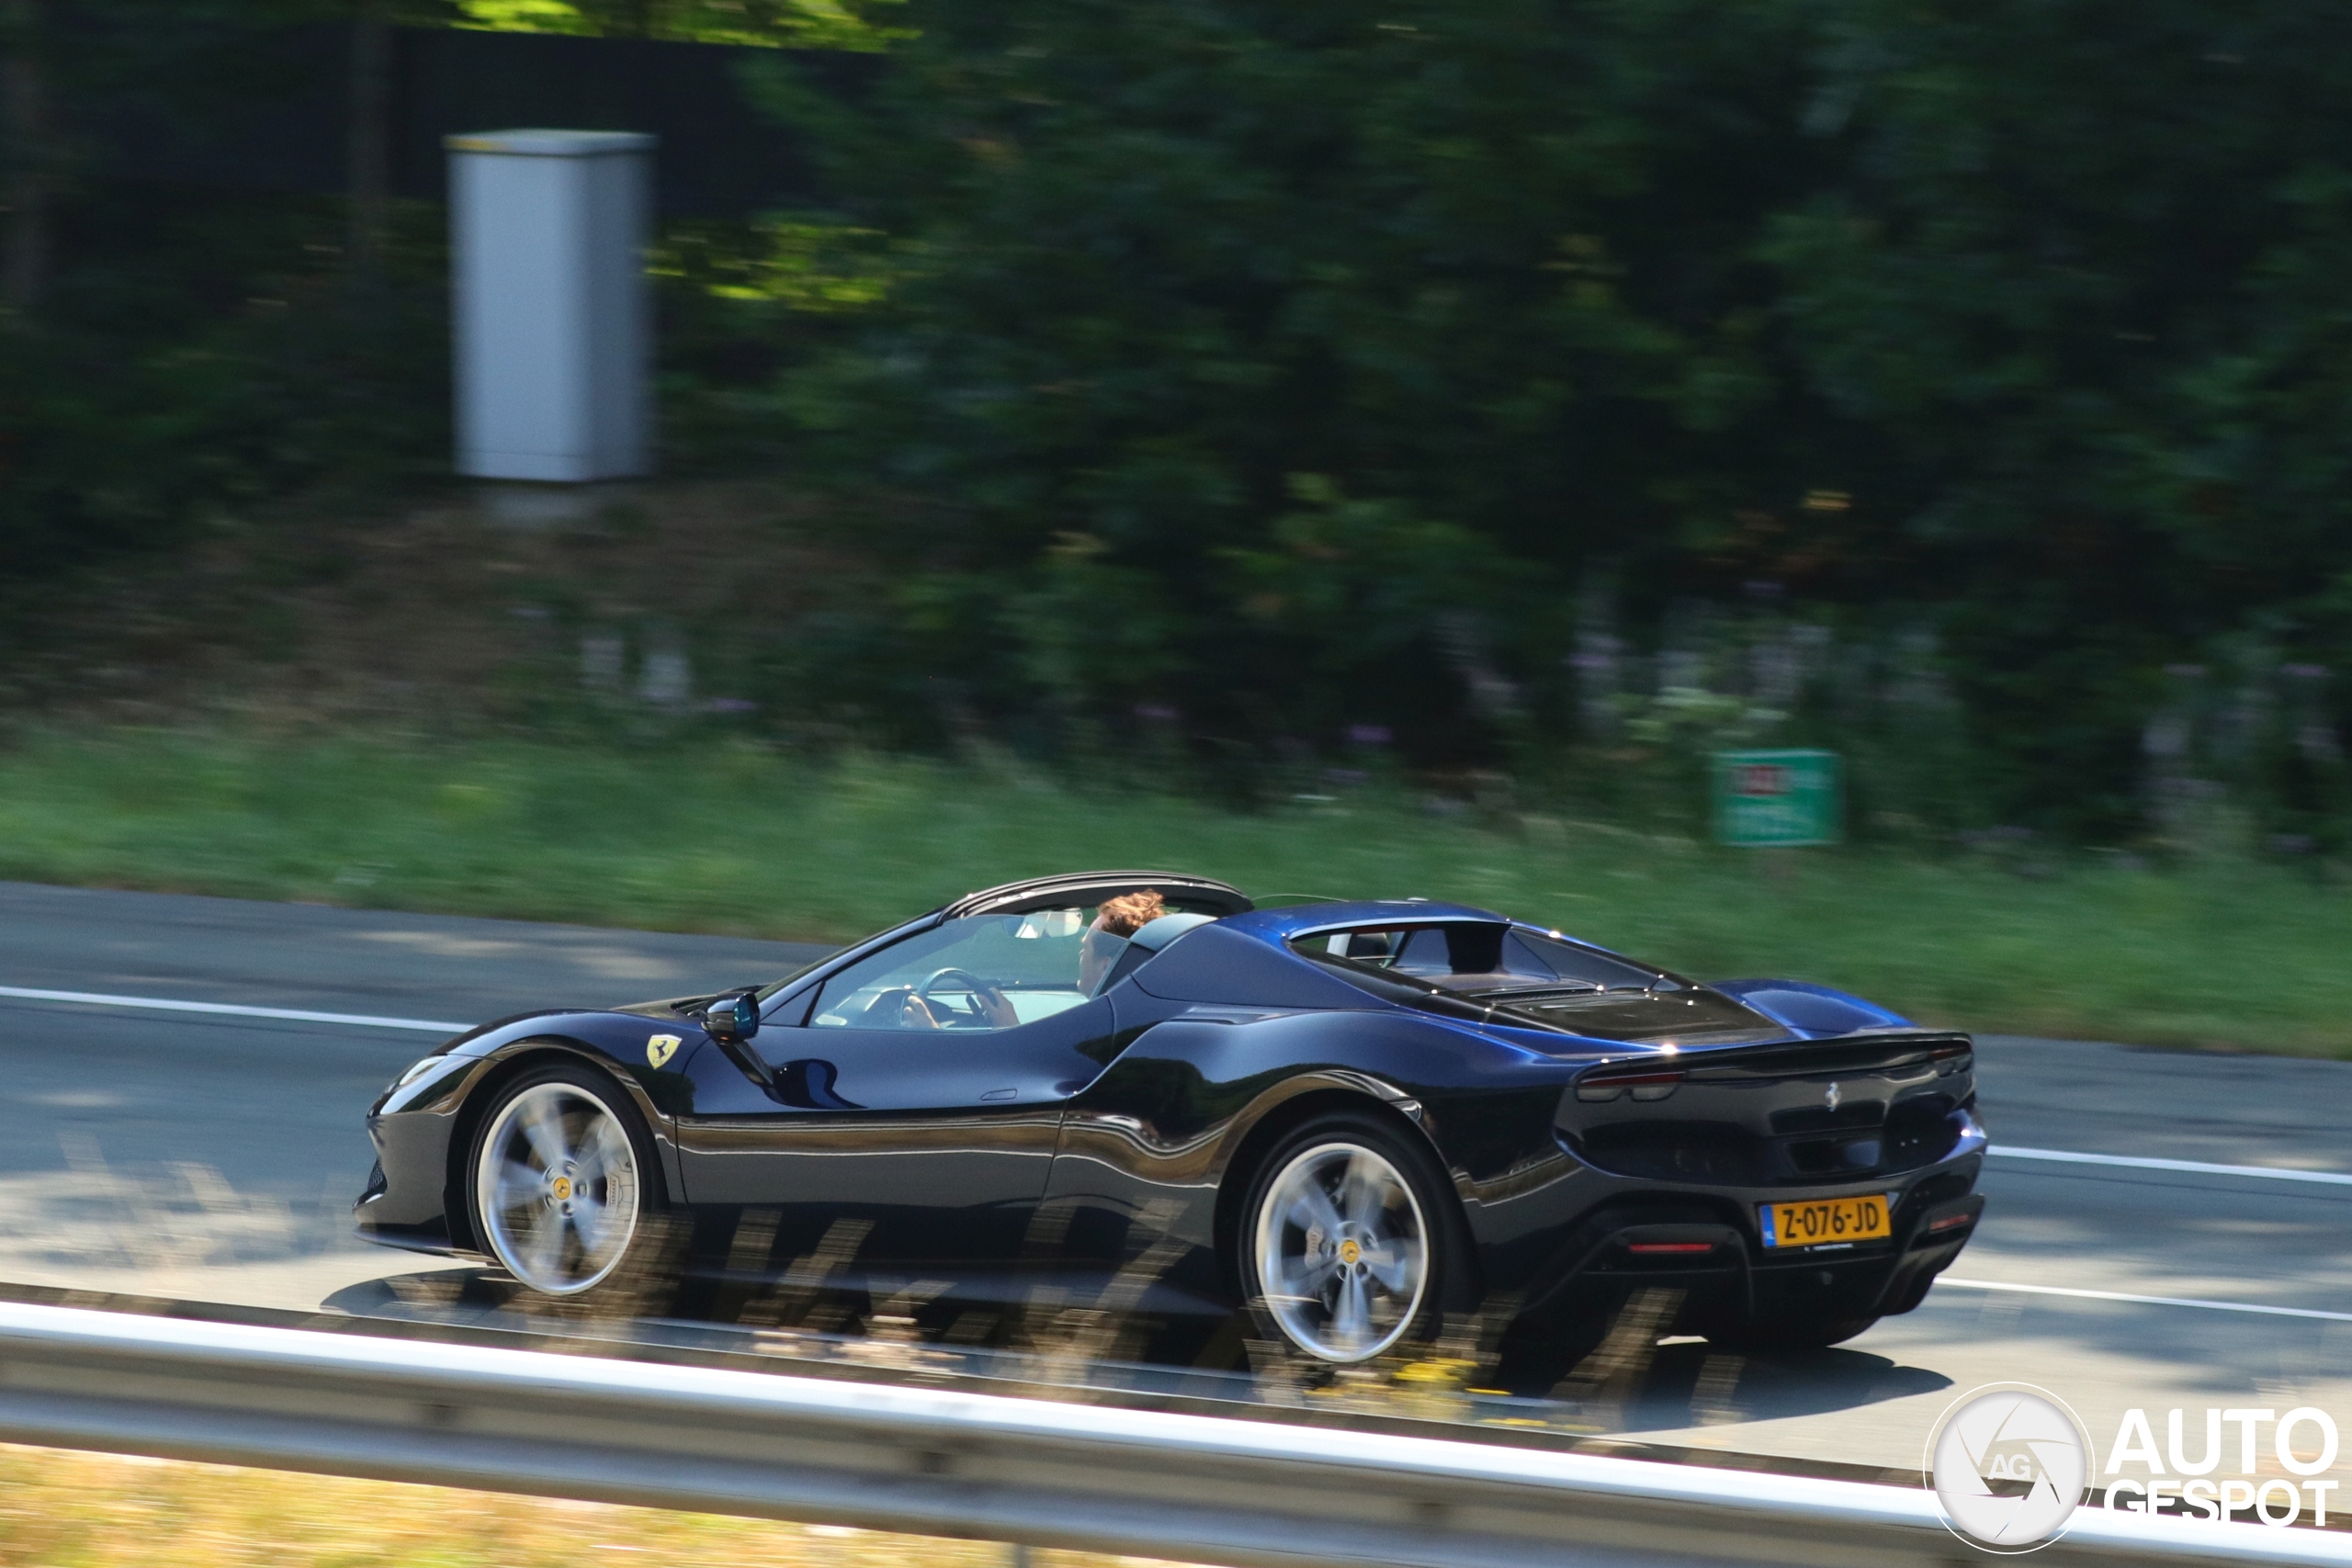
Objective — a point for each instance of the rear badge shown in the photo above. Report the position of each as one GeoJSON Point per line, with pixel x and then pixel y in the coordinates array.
{"type": "Point", "coordinates": [1829, 1098]}
{"type": "Point", "coordinates": [661, 1048]}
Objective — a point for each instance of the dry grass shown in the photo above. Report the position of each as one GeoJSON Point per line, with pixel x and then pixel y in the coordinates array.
{"type": "Point", "coordinates": [463, 608]}
{"type": "Point", "coordinates": [75, 1510]}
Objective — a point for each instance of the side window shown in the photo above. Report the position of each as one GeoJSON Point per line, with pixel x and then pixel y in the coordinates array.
{"type": "Point", "coordinates": [988, 972]}
{"type": "Point", "coordinates": [1477, 955]}
{"type": "Point", "coordinates": [1382, 949]}
{"type": "Point", "coordinates": [1583, 965]}
{"type": "Point", "coordinates": [1440, 954]}
{"type": "Point", "coordinates": [1422, 954]}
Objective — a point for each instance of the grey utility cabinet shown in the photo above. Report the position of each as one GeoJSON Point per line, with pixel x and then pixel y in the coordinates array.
{"type": "Point", "coordinates": [553, 317]}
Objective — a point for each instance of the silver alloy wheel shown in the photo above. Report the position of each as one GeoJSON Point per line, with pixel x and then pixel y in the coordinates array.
{"type": "Point", "coordinates": [1342, 1252]}
{"type": "Point", "coordinates": [556, 1184]}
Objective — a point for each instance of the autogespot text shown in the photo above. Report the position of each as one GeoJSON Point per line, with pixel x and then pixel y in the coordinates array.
{"type": "Point", "coordinates": [2191, 1472]}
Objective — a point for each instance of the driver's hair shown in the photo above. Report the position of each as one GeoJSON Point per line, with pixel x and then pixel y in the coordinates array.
{"type": "Point", "coordinates": [1129, 912]}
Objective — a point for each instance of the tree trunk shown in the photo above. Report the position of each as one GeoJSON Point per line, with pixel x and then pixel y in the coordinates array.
{"type": "Point", "coordinates": [371, 171]}
{"type": "Point", "coordinates": [25, 84]}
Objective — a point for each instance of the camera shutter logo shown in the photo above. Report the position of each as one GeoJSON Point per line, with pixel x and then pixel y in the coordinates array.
{"type": "Point", "coordinates": [2008, 1463]}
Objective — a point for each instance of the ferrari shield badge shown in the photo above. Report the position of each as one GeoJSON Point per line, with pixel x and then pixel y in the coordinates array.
{"type": "Point", "coordinates": [661, 1048]}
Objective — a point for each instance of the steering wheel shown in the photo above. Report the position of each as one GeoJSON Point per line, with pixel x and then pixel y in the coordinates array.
{"type": "Point", "coordinates": [994, 1008]}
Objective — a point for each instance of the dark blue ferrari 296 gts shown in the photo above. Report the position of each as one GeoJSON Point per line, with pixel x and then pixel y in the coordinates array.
{"type": "Point", "coordinates": [1347, 1121]}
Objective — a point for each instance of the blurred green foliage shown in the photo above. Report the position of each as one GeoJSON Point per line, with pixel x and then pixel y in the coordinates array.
{"type": "Point", "coordinates": [758, 24]}
{"type": "Point", "coordinates": [1558, 388]}
{"type": "Point", "coordinates": [1294, 366]}
{"type": "Point", "coordinates": [190, 349]}
{"type": "Point", "coordinates": [155, 393]}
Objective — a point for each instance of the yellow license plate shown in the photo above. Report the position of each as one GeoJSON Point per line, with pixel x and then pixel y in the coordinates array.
{"type": "Point", "coordinates": [1825, 1222]}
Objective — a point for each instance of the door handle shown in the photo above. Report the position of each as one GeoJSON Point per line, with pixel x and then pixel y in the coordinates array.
{"type": "Point", "coordinates": [1001, 1094]}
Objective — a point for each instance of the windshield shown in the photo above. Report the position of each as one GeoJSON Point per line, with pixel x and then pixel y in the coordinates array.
{"type": "Point", "coordinates": [770, 990]}
{"type": "Point", "coordinates": [982, 971]}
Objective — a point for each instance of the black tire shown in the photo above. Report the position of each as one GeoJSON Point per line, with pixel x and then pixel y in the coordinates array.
{"type": "Point", "coordinates": [1808, 1334]}
{"type": "Point", "coordinates": [602, 1238]}
{"type": "Point", "coordinates": [1401, 1189]}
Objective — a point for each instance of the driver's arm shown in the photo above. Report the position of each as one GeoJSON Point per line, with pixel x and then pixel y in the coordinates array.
{"type": "Point", "coordinates": [902, 1009]}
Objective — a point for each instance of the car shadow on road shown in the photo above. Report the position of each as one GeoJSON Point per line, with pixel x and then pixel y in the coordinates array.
{"type": "Point", "coordinates": [1689, 1383]}
{"type": "Point", "coordinates": [460, 1293]}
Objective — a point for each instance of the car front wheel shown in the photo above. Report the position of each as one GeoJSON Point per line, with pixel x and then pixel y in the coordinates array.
{"type": "Point", "coordinates": [564, 1187]}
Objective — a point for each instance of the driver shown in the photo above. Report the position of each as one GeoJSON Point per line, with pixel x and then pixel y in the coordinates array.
{"type": "Point", "coordinates": [908, 1007]}
{"type": "Point", "coordinates": [1117, 919]}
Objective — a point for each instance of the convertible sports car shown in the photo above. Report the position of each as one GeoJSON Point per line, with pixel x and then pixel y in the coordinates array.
{"type": "Point", "coordinates": [1347, 1120]}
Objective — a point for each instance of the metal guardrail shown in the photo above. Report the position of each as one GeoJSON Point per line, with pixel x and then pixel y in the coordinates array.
{"type": "Point", "coordinates": [935, 1461]}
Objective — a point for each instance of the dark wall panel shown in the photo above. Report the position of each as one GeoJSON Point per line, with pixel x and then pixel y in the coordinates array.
{"type": "Point", "coordinates": [719, 157]}
{"type": "Point", "coordinates": [273, 114]}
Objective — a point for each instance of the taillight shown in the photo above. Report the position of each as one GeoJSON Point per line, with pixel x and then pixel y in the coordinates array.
{"type": "Point", "coordinates": [1950, 1222]}
{"type": "Point", "coordinates": [1645, 1084]}
{"type": "Point", "coordinates": [1952, 1059]}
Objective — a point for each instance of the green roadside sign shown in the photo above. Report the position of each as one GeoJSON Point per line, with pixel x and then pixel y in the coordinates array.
{"type": "Point", "coordinates": [1779, 799]}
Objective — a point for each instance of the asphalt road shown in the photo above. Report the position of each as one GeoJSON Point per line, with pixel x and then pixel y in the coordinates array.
{"type": "Point", "coordinates": [215, 1156]}
{"type": "Point", "coordinates": [218, 1155]}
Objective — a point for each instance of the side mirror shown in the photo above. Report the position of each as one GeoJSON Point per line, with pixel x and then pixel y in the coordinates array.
{"type": "Point", "coordinates": [733, 1018]}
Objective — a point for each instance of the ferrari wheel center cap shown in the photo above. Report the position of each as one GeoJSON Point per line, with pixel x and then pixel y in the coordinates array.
{"type": "Point", "coordinates": [1351, 1252]}
{"type": "Point", "coordinates": [562, 1189]}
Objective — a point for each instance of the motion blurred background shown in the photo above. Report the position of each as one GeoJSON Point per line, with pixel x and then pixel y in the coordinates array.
{"type": "Point", "coordinates": [1367, 449]}
{"type": "Point", "coordinates": [1381, 449]}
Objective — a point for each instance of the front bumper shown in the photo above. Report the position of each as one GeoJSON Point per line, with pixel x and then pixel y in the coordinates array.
{"type": "Point", "coordinates": [406, 1203]}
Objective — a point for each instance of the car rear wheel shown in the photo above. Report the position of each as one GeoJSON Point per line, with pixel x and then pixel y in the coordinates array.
{"type": "Point", "coordinates": [565, 1189]}
{"type": "Point", "coordinates": [1344, 1242]}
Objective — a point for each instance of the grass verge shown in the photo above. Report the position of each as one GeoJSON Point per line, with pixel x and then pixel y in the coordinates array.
{"type": "Point", "coordinates": [709, 837]}
{"type": "Point", "coordinates": [77, 1510]}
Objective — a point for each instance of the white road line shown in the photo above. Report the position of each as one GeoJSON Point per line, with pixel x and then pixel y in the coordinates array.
{"type": "Point", "coordinates": [2145, 1301]}
{"type": "Point", "coordinates": [2195, 1168]}
{"type": "Point", "coordinates": [159, 1004]}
